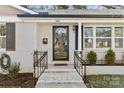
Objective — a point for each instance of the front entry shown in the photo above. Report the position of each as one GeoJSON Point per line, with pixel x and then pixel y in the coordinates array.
{"type": "Point", "coordinates": [60, 43]}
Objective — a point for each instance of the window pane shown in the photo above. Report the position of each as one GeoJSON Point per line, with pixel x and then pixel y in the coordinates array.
{"type": "Point", "coordinates": [103, 43]}
{"type": "Point", "coordinates": [118, 31]}
{"type": "Point", "coordinates": [88, 43]}
{"type": "Point", "coordinates": [103, 32]}
{"type": "Point", "coordinates": [88, 32]}
{"type": "Point", "coordinates": [2, 42]}
{"type": "Point", "coordinates": [2, 29]}
{"type": "Point", "coordinates": [119, 43]}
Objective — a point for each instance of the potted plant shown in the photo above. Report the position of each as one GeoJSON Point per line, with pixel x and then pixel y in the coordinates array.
{"type": "Point", "coordinates": [92, 57]}
{"type": "Point", "coordinates": [110, 57]}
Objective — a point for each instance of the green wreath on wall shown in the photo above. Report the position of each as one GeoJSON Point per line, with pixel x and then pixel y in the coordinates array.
{"type": "Point", "coordinates": [5, 61]}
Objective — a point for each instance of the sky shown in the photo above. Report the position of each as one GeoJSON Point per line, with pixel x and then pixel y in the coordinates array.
{"type": "Point", "coordinates": [94, 7]}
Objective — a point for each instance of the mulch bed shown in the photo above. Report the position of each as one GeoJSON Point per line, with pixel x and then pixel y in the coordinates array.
{"type": "Point", "coordinates": [24, 80]}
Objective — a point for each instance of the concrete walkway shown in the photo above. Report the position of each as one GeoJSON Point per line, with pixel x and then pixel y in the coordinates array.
{"type": "Point", "coordinates": [60, 77]}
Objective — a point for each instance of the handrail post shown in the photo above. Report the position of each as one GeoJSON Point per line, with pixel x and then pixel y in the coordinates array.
{"type": "Point", "coordinates": [34, 64]}
{"type": "Point", "coordinates": [47, 60]}
{"type": "Point", "coordinates": [85, 77]}
{"type": "Point", "coordinates": [74, 60]}
{"type": "Point", "coordinates": [40, 67]}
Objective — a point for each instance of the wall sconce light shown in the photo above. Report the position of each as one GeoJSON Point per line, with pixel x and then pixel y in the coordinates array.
{"type": "Point", "coordinates": [45, 40]}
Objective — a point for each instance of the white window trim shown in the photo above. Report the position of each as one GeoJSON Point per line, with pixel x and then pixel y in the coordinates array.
{"type": "Point", "coordinates": [94, 36]}
{"type": "Point", "coordinates": [87, 37]}
{"type": "Point", "coordinates": [3, 49]}
{"type": "Point", "coordinates": [123, 36]}
{"type": "Point", "coordinates": [118, 37]}
{"type": "Point", "coordinates": [112, 37]}
{"type": "Point", "coordinates": [94, 39]}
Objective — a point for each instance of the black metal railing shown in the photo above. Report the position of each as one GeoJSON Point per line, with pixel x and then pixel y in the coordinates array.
{"type": "Point", "coordinates": [79, 65]}
{"type": "Point", "coordinates": [104, 63]}
{"type": "Point", "coordinates": [40, 62]}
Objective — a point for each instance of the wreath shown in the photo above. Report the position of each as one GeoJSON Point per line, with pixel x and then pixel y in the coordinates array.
{"type": "Point", "coordinates": [5, 64]}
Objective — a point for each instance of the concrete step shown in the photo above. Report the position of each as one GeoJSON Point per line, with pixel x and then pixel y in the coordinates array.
{"type": "Point", "coordinates": [60, 77]}
{"type": "Point", "coordinates": [61, 66]}
{"type": "Point", "coordinates": [60, 85]}
{"type": "Point", "coordinates": [58, 70]}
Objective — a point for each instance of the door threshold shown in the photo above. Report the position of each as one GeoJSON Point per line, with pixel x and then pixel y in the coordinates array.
{"type": "Point", "coordinates": [60, 62]}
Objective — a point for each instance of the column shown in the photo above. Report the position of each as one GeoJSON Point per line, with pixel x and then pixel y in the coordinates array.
{"type": "Point", "coordinates": [79, 37]}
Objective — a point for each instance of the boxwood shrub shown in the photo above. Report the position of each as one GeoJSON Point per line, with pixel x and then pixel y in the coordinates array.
{"type": "Point", "coordinates": [110, 57]}
{"type": "Point", "coordinates": [92, 57]}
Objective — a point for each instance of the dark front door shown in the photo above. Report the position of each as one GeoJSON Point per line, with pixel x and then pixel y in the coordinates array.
{"type": "Point", "coordinates": [60, 43]}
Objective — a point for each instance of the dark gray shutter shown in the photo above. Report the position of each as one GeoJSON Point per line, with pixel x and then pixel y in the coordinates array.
{"type": "Point", "coordinates": [10, 36]}
{"type": "Point", "coordinates": [76, 37]}
{"type": "Point", "coordinates": [82, 37]}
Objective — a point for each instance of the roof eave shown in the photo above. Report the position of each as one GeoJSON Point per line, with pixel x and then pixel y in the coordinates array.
{"type": "Point", "coordinates": [70, 16]}
{"type": "Point", "coordinates": [24, 9]}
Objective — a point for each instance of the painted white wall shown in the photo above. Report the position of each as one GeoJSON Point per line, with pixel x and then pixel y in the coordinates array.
{"type": "Point", "coordinates": [101, 53]}
{"type": "Point", "coordinates": [29, 38]}
{"type": "Point", "coordinates": [45, 31]}
{"type": "Point", "coordinates": [95, 70]}
{"type": "Point", "coordinates": [25, 45]}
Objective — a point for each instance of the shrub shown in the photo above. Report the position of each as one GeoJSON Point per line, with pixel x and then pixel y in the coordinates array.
{"type": "Point", "coordinates": [110, 56]}
{"type": "Point", "coordinates": [14, 70]}
{"type": "Point", "coordinates": [92, 57]}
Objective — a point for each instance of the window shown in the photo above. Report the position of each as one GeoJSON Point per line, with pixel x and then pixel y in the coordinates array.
{"type": "Point", "coordinates": [88, 43]}
{"type": "Point", "coordinates": [118, 37]}
{"type": "Point", "coordinates": [103, 37]}
{"type": "Point", "coordinates": [2, 36]}
{"type": "Point", "coordinates": [103, 31]}
{"type": "Point", "coordinates": [118, 43]}
{"type": "Point", "coordinates": [103, 43]}
{"type": "Point", "coordinates": [88, 32]}
{"type": "Point", "coordinates": [88, 37]}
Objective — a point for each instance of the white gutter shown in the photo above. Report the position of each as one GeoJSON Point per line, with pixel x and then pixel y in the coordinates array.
{"type": "Point", "coordinates": [74, 20]}
{"type": "Point", "coordinates": [10, 19]}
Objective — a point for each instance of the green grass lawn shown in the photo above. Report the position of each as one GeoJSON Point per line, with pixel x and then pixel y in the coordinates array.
{"type": "Point", "coordinates": [105, 81]}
